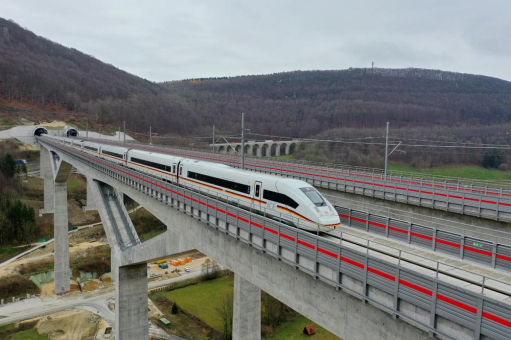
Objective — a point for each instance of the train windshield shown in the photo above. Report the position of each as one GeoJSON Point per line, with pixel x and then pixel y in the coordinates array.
{"type": "Point", "coordinates": [314, 196]}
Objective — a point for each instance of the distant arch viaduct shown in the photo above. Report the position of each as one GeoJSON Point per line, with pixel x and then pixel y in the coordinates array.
{"type": "Point", "coordinates": [259, 149]}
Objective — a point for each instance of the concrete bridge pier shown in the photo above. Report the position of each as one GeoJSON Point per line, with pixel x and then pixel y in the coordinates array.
{"type": "Point", "coordinates": [131, 302]}
{"type": "Point", "coordinates": [61, 253]}
{"type": "Point", "coordinates": [55, 174]}
{"type": "Point", "coordinates": [46, 174]}
{"type": "Point", "coordinates": [91, 205]}
{"type": "Point", "coordinates": [246, 323]}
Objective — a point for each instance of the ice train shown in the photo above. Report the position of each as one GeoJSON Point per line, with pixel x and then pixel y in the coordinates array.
{"type": "Point", "coordinates": [289, 201]}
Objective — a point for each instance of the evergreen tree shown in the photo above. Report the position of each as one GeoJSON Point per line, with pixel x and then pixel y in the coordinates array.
{"type": "Point", "coordinates": [8, 167]}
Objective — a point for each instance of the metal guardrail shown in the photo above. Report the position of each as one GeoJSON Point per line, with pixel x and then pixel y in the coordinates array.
{"type": "Point", "coordinates": [484, 233]}
{"type": "Point", "coordinates": [473, 200]}
{"type": "Point", "coordinates": [106, 197]}
{"type": "Point", "coordinates": [495, 255]}
{"type": "Point", "coordinates": [328, 261]}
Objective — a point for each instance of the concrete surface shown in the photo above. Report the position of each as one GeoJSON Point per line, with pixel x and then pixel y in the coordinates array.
{"type": "Point", "coordinates": [47, 175]}
{"type": "Point", "coordinates": [91, 204]}
{"type": "Point", "coordinates": [62, 269]}
{"type": "Point", "coordinates": [247, 310]}
{"type": "Point", "coordinates": [131, 303]}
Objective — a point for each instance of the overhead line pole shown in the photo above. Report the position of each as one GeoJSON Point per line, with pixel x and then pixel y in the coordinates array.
{"type": "Point", "coordinates": [150, 135]}
{"type": "Point", "coordinates": [386, 149]}
{"type": "Point", "coordinates": [124, 123]}
{"type": "Point", "coordinates": [242, 140]}
{"type": "Point", "coordinates": [213, 139]}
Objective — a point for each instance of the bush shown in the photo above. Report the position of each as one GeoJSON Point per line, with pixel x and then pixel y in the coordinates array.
{"type": "Point", "coordinates": [504, 167]}
{"type": "Point", "coordinates": [175, 309]}
{"type": "Point", "coordinates": [30, 268]}
{"type": "Point", "coordinates": [266, 331]}
{"type": "Point", "coordinates": [16, 286]}
{"type": "Point", "coordinates": [94, 265]}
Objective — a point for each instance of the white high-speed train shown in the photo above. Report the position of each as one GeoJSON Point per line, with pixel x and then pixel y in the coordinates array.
{"type": "Point", "coordinates": [289, 201]}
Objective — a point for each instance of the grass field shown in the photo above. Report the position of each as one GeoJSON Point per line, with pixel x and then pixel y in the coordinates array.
{"type": "Point", "coordinates": [462, 171]}
{"type": "Point", "coordinates": [7, 252]}
{"type": "Point", "coordinates": [203, 299]}
{"type": "Point", "coordinates": [151, 234]}
{"type": "Point", "coordinates": [9, 332]}
{"type": "Point", "coordinates": [30, 334]}
{"type": "Point", "coordinates": [34, 184]}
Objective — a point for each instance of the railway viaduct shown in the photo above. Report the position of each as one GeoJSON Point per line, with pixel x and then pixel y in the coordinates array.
{"type": "Point", "coordinates": [258, 149]}
{"type": "Point", "coordinates": [353, 293]}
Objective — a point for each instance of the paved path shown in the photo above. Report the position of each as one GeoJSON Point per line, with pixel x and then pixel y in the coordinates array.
{"type": "Point", "coordinates": [34, 307]}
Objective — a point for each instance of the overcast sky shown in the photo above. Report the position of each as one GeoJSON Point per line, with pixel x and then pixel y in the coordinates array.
{"type": "Point", "coordinates": [166, 40]}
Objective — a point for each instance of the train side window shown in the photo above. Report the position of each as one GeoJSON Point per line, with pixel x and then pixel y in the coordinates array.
{"type": "Point", "coordinates": [257, 190]}
{"type": "Point", "coordinates": [279, 198]}
{"type": "Point", "coordinates": [180, 171]}
{"type": "Point", "coordinates": [174, 169]}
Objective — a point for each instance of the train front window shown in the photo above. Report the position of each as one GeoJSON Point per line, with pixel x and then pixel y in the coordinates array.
{"type": "Point", "coordinates": [314, 196]}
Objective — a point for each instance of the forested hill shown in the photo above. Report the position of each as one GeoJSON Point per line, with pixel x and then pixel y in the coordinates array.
{"type": "Point", "coordinates": [304, 103]}
{"type": "Point", "coordinates": [36, 70]}
{"type": "Point", "coordinates": [42, 74]}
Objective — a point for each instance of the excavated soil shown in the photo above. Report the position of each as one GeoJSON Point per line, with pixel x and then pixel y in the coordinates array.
{"type": "Point", "coordinates": [69, 325]}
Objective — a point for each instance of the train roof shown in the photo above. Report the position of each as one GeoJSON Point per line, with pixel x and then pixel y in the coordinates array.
{"type": "Point", "coordinates": [109, 147]}
{"type": "Point", "coordinates": [156, 155]}
{"type": "Point", "coordinates": [205, 164]}
{"type": "Point", "coordinates": [293, 183]}
{"type": "Point", "coordinates": [93, 144]}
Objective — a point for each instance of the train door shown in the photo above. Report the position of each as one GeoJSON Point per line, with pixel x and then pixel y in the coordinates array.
{"type": "Point", "coordinates": [258, 188]}
{"type": "Point", "coordinates": [174, 165]}
{"type": "Point", "coordinates": [179, 170]}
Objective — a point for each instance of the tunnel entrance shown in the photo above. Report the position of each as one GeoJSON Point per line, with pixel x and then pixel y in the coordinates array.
{"type": "Point", "coordinates": [40, 131]}
{"type": "Point", "coordinates": [71, 133]}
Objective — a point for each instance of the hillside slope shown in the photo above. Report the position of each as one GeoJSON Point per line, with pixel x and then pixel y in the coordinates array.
{"type": "Point", "coordinates": [36, 70]}
{"type": "Point", "coordinates": [43, 75]}
{"type": "Point", "coordinates": [305, 103]}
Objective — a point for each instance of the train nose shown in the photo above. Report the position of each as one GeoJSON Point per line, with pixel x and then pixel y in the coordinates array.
{"type": "Point", "coordinates": [330, 221]}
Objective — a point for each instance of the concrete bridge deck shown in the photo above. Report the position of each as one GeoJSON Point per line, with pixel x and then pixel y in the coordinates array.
{"type": "Point", "coordinates": [402, 302]}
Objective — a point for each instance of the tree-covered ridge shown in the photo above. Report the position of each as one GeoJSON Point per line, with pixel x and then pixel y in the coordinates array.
{"type": "Point", "coordinates": [38, 72]}
{"type": "Point", "coordinates": [304, 103]}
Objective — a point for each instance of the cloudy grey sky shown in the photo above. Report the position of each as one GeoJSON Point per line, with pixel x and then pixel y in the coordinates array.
{"type": "Point", "coordinates": [165, 40]}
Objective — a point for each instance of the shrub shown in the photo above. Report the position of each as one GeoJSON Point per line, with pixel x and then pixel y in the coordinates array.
{"type": "Point", "coordinates": [175, 309]}
{"type": "Point", "coordinates": [16, 286]}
